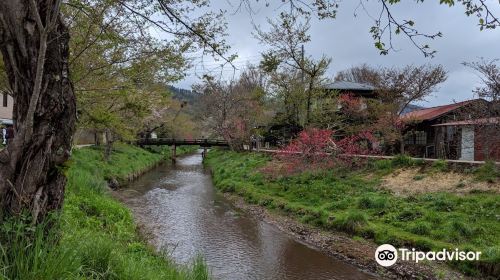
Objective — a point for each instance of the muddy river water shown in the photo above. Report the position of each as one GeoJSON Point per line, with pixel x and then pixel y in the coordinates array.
{"type": "Point", "coordinates": [182, 213]}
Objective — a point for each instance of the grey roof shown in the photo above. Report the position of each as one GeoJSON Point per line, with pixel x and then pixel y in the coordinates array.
{"type": "Point", "coordinates": [345, 85]}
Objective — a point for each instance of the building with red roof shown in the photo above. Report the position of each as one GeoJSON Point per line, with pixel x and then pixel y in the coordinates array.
{"type": "Point", "coordinates": [468, 130]}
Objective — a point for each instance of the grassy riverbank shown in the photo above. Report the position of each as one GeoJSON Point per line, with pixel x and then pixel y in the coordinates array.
{"type": "Point", "coordinates": [353, 202]}
{"type": "Point", "coordinates": [97, 236]}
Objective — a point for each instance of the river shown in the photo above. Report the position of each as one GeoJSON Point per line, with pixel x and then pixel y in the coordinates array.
{"type": "Point", "coordinates": [181, 211]}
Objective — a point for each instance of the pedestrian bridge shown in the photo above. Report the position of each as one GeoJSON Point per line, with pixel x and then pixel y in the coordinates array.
{"type": "Point", "coordinates": [173, 142]}
{"type": "Point", "coordinates": [182, 142]}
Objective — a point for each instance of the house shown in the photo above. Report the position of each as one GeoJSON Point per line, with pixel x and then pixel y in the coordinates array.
{"type": "Point", "coordinates": [357, 89]}
{"type": "Point", "coordinates": [6, 108]}
{"type": "Point", "coordinates": [361, 92]}
{"type": "Point", "coordinates": [480, 138]}
{"type": "Point", "coordinates": [467, 130]}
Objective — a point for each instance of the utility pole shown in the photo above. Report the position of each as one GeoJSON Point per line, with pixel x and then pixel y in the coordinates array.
{"type": "Point", "coordinates": [302, 64]}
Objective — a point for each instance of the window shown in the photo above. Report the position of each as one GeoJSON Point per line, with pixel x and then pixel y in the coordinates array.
{"type": "Point", "coordinates": [5, 100]}
{"type": "Point", "coordinates": [416, 138]}
{"type": "Point", "coordinates": [409, 138]}
{"type": "Point", "coordinates": [420, 138]}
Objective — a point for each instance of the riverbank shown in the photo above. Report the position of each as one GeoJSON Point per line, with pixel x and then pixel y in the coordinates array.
{"type": "Point", "coordinates": [95, 237]}
{"type": "Point", "coordinates": [348, 213]}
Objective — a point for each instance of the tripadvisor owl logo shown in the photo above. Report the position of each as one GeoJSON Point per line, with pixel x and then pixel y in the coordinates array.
{"type": "Point", "coordinates": [386, 255]}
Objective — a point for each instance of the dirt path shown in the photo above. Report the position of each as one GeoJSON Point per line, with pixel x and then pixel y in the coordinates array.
{"type": "Point", "coordinates": [409, 181]}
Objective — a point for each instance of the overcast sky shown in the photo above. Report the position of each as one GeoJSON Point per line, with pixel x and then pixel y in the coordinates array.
{"type": "Point", "coordinates": [348, 42]}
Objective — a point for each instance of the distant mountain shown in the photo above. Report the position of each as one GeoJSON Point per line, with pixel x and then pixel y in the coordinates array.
{"type": "Point", "coordinates": [183, 94]}
{"type": "Point", "coordinates": [411, 108]}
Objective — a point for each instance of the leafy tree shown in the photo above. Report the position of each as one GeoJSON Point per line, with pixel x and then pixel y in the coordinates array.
{"type": "Point", "coordinates": [286, 38]}
{"type": "Point", "coordinates": [232, 109]}
{"type": "Point", "coordinates": [397, 88]}
{"type": "Point", "coordinates": [286, 90]}
{"type": "Point", "coordinates": [35, 47]}
{"type": "Point", "coordinates": [34, 42]}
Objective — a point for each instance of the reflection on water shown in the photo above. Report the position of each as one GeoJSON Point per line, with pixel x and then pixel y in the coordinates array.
{"type": "Point", "coordinates": [180, 208]}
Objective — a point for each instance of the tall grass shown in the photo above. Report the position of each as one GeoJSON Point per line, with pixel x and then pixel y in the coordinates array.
{"type": "Point", "coordinates": [488, 172]}
{"type": "Point", "coordinates": [350, 201]}
{"type": "Point", "coordinates": [94, 237]}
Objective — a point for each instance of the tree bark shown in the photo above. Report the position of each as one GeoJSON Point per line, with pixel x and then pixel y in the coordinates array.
{"type": "Point", "coordinates": [31, 173]}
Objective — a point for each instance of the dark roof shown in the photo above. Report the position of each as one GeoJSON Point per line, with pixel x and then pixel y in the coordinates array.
{"type": "Point", "coordinates": [434, 112]}
{"type": "Point", "coordinates": [345, 85]}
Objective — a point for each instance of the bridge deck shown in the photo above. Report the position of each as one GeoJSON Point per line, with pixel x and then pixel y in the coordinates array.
{"type": "Point", "coordinates": [181, 142]}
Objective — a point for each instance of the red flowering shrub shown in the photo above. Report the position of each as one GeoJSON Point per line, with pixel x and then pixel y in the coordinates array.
{"type": "Point", "coordinates": [350, 102]}
{"type": "Point", "coordinates": [310, 144]}
{"type": "Point", "coordinates": [363, 143]}
{"type": "Point", "coordinates": [314, 149]}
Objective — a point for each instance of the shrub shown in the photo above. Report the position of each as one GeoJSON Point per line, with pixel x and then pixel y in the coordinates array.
{"type": "Point", "coordinates": [418, 177]}
{"type": "Point", "coordinates": [409, 215]}
{"type": "Point", "coordinates": [372, 201]}
{"type": "Point", "coordinates": [383, 164]}
{"type": "Point", "coordinates": [440, 165]}
{"type": "Point", "coordinates": [402, 161]}
{"type": "Point", "coordinates": [315, 149]}
{"type": "Point", "coordinates": [352, 222]}
{"type": "Point", "coordinates": [487, 172]}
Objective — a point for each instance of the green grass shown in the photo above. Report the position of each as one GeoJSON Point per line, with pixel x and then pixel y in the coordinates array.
{"type": "Point", "coordinates": [487, 172]}
{"type": "Point", "coordinates": [440, 165]}
{"type": "Point", "coordinates": [95, 236]}
{"type": "Point", "coordinates": [345, 200]}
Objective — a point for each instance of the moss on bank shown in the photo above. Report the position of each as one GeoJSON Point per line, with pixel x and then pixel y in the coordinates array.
{"type": "Point", "coordinates": [95, 237]}
{"type": "Point", "coordinates": [347, 201]}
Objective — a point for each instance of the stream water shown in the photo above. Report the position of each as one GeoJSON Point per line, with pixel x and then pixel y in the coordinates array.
{"type": "Point", "coordinates": [182, 213]}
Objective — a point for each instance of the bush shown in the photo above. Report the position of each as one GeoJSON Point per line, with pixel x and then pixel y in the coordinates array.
{"type": "Point", "coordinates": [372, 201]}
{"type": "Point", "coordinates": [440, 165]}
{"type": "Point", "coordinates": [353, 222]}
{"type": "Point", "coordinates": [418, 177]}
{"type": "Point", "coordinates": [487, 172]}
{"type": "Point", "coordinates": [402, 161]}
{"type": "Point", "coordinates": [383, 164]}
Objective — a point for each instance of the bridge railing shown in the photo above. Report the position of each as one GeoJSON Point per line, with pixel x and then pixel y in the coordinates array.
{"type": "Point", "coordinates": [175, 141]}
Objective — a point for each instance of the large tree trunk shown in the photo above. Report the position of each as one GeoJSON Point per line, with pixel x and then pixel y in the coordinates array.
{"type": "Point", "coordinates": [34, 45]}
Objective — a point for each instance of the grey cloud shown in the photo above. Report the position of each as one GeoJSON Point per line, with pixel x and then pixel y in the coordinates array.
{"type": "Point", "coordinates": [346, 39]}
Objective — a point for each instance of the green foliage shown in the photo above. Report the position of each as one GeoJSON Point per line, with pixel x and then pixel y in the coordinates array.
{"type": "Point", "coordinates": [418, 177]}
{"type": "Point", "coordinates": [383, 164]}
{"type": "Point", "coordinates": [372, 201]}
{"type": "Point", "coordinates": [352, 222]}
{"type": "Point", "coordinates": [344, 200]}
{"type": "Point", "coordinates": [95, 236]}
{"type": "Point", "coordinates": [440, 165]}
{"type": "Point", "coordinates": [487, 172]}
{"type": "Point", "coordinates": [402, 161]}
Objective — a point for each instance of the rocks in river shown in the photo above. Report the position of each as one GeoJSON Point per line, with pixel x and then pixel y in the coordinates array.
{"type": "Point", "coordinates": [113, 183]}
